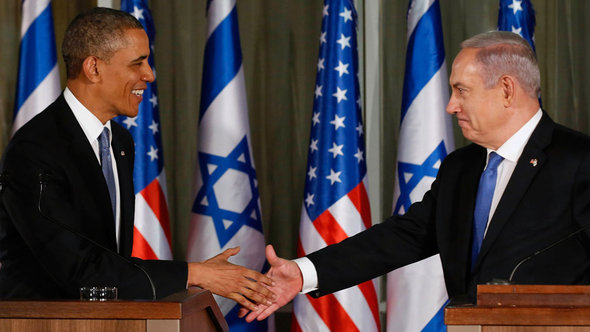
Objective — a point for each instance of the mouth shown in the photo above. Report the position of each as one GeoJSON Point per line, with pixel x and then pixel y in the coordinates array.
{"type": "Point", "coordinates": [461, 122]}
{"type": "Point", "coordinates": [137, 92]}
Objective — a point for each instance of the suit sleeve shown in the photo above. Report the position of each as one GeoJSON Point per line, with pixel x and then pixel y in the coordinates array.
{"type": "Point", "coordinates": [398, 241]}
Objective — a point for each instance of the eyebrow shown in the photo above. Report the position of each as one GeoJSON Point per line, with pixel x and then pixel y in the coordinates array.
{"type": "Point", "coordinates": [140, 58]}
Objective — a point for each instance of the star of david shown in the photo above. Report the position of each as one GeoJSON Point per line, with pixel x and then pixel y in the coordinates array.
{"type": "Point", "coordinates": [208, 202]}
{"type": "Point", "coordinates": [418, 172]}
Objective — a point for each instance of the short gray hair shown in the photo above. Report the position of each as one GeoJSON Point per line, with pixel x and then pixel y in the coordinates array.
{"type": "Point", "coordinates": [506, 53]}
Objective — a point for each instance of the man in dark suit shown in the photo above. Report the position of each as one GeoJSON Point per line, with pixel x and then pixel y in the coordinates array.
{"type": "Point", "coordinates": [523, 185]}
{"type": "Point", "coordinates": [67, 201]}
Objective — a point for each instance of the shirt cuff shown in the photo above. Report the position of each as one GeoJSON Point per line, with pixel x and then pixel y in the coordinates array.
{"type": "Point", "coordinates": [309, 274]}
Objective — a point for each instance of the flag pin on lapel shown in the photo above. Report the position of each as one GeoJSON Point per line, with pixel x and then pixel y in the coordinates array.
{"type": "Point", "coordinates": [534, 162]}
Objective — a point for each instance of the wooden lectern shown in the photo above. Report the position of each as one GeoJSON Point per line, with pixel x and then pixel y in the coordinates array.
{"type": "Point", "coordinates": [523, 308]}
{"type": "Point", "coordinates": [191, 310]}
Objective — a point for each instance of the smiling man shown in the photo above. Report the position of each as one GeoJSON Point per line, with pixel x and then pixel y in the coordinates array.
{"type": "Point", "coordinates": [67, 201]}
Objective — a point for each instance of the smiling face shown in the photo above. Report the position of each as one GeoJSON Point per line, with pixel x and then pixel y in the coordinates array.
{"type": "Point", "coordinates": [479, 110]}
{"type": "Point", "coordinates": [124, 76]}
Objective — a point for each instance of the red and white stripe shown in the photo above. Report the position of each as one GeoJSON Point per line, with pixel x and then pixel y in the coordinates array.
{"type": "Point", "coordinates": [352, 309]}
{"type": "Point", "coordinates": [151, 233]}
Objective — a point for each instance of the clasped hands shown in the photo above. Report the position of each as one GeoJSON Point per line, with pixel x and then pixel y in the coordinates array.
{"type": "Point", "coordinates": [287, 282]}
{"type": "Point", "coordinates": [259, 295]}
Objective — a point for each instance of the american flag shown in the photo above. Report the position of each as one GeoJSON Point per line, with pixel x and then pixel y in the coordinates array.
{"type": "Point", "coordinates": [416, 294]}
{"type": "Point", "coordinates": [38, 73]}
{"type": "Point", "coordinates": [518, 16]}
{"type": "Point", "coordinates": [336, 204]}
{"type": "Point", "coordinates": [151, 233]}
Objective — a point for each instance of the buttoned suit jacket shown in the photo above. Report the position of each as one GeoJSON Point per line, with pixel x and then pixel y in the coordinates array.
{"type": "Point", "coordinates": [547, 198]}
{"type": "Point", "coordinates": [45, 249]}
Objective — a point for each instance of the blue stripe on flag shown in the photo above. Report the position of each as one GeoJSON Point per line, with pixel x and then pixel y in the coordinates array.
{"type": "Point", "coordinates": [415, 291]}
{"type": "Point", "coordinates": [223, 56]}
{"type": "Point", "coordinates": [425, 55]}
{"type": "Point", "coordinates": [35, 65]}
{"type": "Point", "coordinates": [437, 323]}
{"type": "Point", "coordinates": [227, 199]}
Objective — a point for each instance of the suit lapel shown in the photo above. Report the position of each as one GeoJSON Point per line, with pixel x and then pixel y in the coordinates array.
{"type": "Point", "coordinates": [124, 159]}
{"type": "Point", "coordinates": [85, 162]}
{"type": "Point", "coordinates": [529, 163]}
{"type": "Point", "coordinates": [461, 225]}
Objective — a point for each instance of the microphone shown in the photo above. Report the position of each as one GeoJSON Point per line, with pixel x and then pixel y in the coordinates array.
{"type": "Point", "coordinates": [44, 177]}
{"type": "Point", "coordinates": [540, 251]}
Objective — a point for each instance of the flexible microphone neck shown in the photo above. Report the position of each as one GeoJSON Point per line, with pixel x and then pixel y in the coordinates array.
{"type": "Point", "coordinates": [43, 179]}
{"type": "Point", "coordinates": [540, 251]}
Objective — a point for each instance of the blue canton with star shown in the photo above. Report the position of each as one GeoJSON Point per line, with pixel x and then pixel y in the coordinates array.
{"type": "Point", "coordinates": [336, 157]}
{"type": "Point", "coordinates": [518, 16]}
{"type": "Point", "coordinates": [145, 127]}
{"type": "Point", "coordinates": [418, 172]}
{"type": "Point", "coordinates": [213, 169]}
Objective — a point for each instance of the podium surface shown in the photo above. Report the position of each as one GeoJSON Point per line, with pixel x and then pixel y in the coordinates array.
{"type": "Point", "coordinates": [523, 308]}
{"type": "Point", "coordinates": [193, 309]}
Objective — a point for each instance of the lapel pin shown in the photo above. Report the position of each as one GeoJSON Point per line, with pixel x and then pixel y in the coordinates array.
{"type": "Point", "coordinates": [123, 154]}
{"type": "Point", "coordinates": [534, 162]}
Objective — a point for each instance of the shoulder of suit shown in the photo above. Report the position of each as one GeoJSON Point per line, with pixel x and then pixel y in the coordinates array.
{"type": "Point", "coordinates": [471, 150]}
{"type": "Point", "coordinates": [569, 139]}
{"type": "Point", "coordinates": [43, 126]}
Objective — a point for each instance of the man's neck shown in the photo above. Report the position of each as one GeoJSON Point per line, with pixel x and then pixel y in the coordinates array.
{"type": "Point", "coordinates": [83, 93]}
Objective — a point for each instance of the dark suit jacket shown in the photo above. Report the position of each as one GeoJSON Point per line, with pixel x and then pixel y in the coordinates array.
{"type": "Point", "coordinates": [541, 204]}
{"type": "Point", "coordinates": [42, 259]}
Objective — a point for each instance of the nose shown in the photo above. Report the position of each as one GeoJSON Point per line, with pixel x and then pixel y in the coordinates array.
{"type": "Point", "coordinates": [453, 105]}
{"type": "Point", "coordinates": [148, 74]}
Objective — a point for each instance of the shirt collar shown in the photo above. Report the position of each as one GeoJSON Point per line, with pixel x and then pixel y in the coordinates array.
{"type": "Point", "coordinates": [513, 147]}
{"type": "Point", "coordinates": [90, 124]}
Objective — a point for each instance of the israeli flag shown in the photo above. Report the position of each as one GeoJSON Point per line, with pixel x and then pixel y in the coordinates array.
{"type": "Point", "coordinates": [226, 211]}
{"type": "Point", "coordinates": [416, 294]}
{"type": "Point", "coordinates": [38, 74]}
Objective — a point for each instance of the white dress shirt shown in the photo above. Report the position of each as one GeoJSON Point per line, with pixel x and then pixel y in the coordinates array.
{"type": "Point", "coordinates": [92, 128]}
{"type": "Point", "coordinates": [510, 151]}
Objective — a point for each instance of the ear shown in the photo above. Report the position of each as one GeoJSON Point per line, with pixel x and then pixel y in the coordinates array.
{"type": "Point", "coordinates": [508, 88]}
{"type": "Point", "coordinates": [90, 68]}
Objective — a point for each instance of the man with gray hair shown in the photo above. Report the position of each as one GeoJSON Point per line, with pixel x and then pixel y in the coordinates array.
{"type": "Point", "coordinates": [523, 185]}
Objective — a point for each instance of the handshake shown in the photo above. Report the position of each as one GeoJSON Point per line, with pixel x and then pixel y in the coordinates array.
{"type": "Point", "coordinates": [259, 295]}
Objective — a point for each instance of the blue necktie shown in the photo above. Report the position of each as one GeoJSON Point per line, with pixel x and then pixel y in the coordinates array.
{"type": "Point", "coordinates": [483, 202]}
{"type": "Point", "coordinates": [104, 145]}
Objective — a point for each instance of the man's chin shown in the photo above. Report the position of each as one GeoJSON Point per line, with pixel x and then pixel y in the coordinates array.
{"type": "Point", "coordinates": [130, 113]}
{"type": "Point", "coordinates": [467, 134]}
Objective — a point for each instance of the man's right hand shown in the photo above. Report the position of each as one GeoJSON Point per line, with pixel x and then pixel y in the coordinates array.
{"type": "Point", "coordinates": [245, 286]}
{"type": "Point", "coordinates": [287, 282]}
